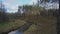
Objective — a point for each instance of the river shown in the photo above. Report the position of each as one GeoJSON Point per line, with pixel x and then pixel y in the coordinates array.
{"type": "Point", "coordinates": [15, 32]}
{"type": "Point", "coordinates": [21, 29]}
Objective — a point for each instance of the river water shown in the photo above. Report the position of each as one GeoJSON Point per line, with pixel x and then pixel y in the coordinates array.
{"type": "Point", "coordinates": [15, 32]}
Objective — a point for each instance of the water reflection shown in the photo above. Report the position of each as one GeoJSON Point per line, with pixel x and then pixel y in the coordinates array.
{"type": "Point", "coordinates": [15, 32]}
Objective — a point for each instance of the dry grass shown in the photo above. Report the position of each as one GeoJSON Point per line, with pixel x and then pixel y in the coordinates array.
{"type": "Point", "coordinates": [5, 27]}
{"type": "Point", "coordinates": [43, 25]}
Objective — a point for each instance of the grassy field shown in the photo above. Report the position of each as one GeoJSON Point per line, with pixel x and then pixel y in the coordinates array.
{"type": "Point", "coordinates": [42, 25]}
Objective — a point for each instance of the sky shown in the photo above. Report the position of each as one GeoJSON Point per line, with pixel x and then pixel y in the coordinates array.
{"type": "Point", "coordinates": [12, 5]}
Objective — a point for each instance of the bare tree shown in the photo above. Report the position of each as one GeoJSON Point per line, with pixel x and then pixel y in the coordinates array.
{"type": "Point", "coordinates": [3, 15]}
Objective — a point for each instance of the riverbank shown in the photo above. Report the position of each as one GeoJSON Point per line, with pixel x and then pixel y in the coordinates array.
{"type": "Point", "coordinates": [6, 27]}
{"type": "Point", "coordinates": [43, 25]}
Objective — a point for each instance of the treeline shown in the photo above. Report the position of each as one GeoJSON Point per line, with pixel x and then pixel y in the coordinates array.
{"type": "Point", "coordinates": [34, 10]}
{"type": "Point", "coordinates": [27, 10]}
{"type": "Point", "coordinates": [50, 12]}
